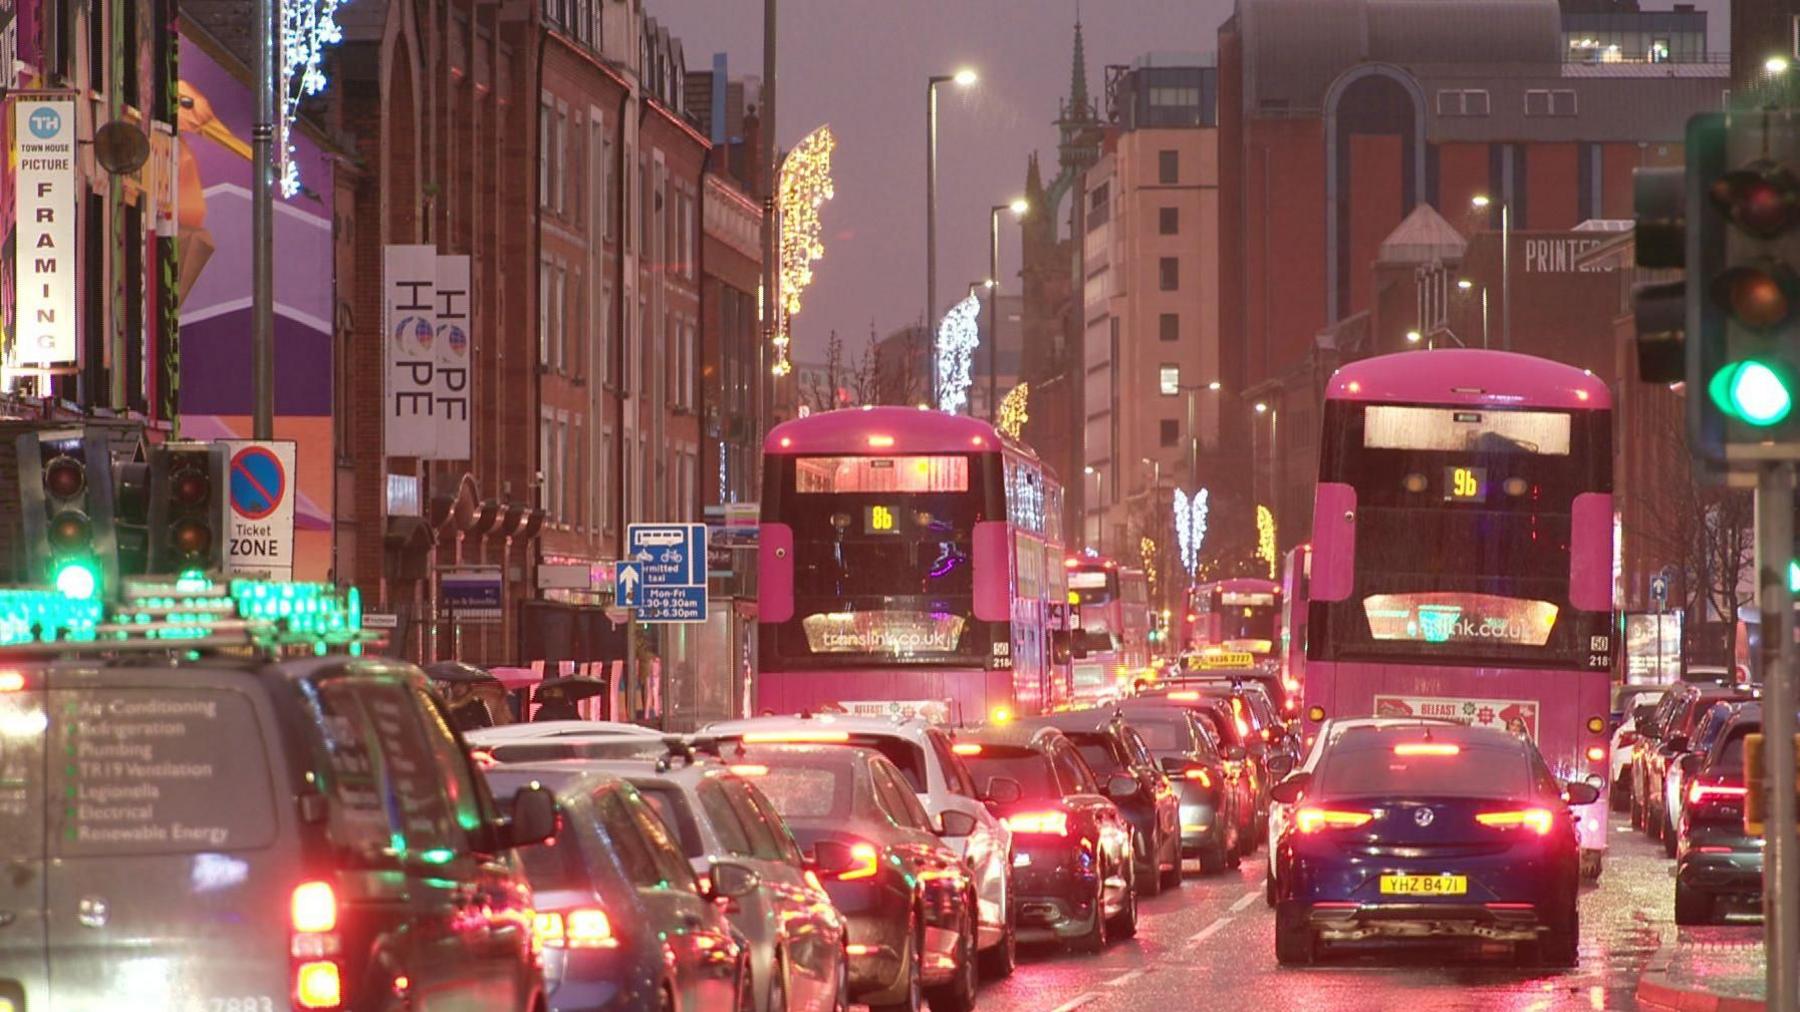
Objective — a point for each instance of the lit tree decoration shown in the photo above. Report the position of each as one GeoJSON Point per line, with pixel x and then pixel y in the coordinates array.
{"type": "Point", "coordinates": [307, 27]}
{"type": "Point", "coordinates": [805, 187]}
{"type": "Point", "coordinates": [1012, 411]}
{"type": "Point", "coordinates": [958, 337]}
{"type": "Point", "coordinates": [1265, 537]}
{"type": "Point", "coordinates": [1190, 527]}
{"type": "Point", "coordinates": [1147, 551]}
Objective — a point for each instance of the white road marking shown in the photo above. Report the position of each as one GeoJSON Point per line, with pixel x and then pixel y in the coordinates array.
{"type": "Point", "coordinates": [1126, 978]}
{"type": "Point", "coordinates": [1210, 930]}
{"type": "Point", "coordinates": [1076, 1002]}
{"type": "Point", "coordinates": [1245, 900]}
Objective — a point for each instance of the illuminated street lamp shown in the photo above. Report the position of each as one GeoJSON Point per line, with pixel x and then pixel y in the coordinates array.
{"type": "Point", "coordinates": [1481, 202]}
{"type": "Point", "coordinates": [1775, 66]}
{"type": "Point", "coordinates": [962, 78]}
{"type": "Point", "coordinates": [1018, 207]}
{"type": "Point", "coordinates": [1413, 337]}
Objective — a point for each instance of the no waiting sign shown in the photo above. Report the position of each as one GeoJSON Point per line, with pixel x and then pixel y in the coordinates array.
{"type": "Point", "coordinates": [260, 476]}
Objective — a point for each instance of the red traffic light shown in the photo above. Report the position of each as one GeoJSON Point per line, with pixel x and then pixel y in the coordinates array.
{"type": "Point", "coordinates": [190, 538]}
{"type": "Point", "coordinates": [191, 487]}
{"type": "Point", "coordinates": [1759, 295]}
{"type": "Point", "coordinates": [1762, 198]}
{"type": "Point", "coordinates": [65, 477]}
{"type": "Point", "coordinates": [70, 530]}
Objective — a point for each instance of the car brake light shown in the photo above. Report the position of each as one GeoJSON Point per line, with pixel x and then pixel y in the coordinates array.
{"type": "Point", "coordinates": [1539, 820]}
{"type": "Point", "coordinates": [1200, 774]}
{"type": "Point", "coordinates": [318, 985]}
{"type": "Point", "coordinates": [1243, 728]}
{"type": "Point", "coordinates": [581, 928]}
{"type": "Point", "coordinates": [1595, 753]}
{"type": "Point", "coordinates": [314, 908]}
{"type": "Point", "coordinates": [1312, 820]}
{"type": "Point", "coordinates": [796, 737]}
{"type": "Point", "coordinates": [1184, 697]}
{"type": "Point", "coordinates": [1039, 823]}
{"type": "Point", "coordinates": [865, 861]}
{"type": "Point", "coordinates": [1700, 792]}
{"type": "Point", "coordinates": [966, 748]}
{"type": "Point", "coordinates": [11, 681]}
{"type": "Point", "coordinates": [749, 769]}
{"type": "Point", "coordinates": [1413, 748]}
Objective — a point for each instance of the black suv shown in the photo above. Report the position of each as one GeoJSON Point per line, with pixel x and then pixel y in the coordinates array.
{"type": "Point", "coordinates": [1715, 859]}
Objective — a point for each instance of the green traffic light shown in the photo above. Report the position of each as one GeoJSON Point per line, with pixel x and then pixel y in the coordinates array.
{"type": "Point", "coordinates": [77, 581]}
{"type": "Point", "coordinates": [1753, 392]}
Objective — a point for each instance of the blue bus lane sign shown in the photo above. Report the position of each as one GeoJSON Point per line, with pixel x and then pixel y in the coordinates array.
{"type": "Point", "coordinates": [666, 564]}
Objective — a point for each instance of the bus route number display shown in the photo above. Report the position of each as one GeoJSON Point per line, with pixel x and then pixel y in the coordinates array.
{"type": "Point", "coordinates": [880, 520]}
{"type": "Point", "coordinates": [1465, 484]}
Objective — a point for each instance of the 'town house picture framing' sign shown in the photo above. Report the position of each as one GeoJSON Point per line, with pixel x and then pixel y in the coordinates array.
{"type": "Point", "coordinates": [43, 151]}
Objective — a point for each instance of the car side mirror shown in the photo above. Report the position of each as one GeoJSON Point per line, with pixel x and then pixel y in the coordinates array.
{"type": "Point", "coordinates": [1580, 792]}
{"type": "Point", "coordinates": [1236, 753]}
{"type": "Point", "coordinates": [1002, 791]}
{"type": "Point", "coordinates": [532, 820]}
{"type": "Point", "coordinates": [956, 825]}
{"type": "Point", "coordinates": [1173, 765]}
{"type": "Point", "coordinates": [731, 881]}
{"type": "Point", "coordinates": [1280, 764]}
{"type": "Point", "coordinates": [1120, 787]}
{"type": "Point", "coordinates": [1289, 790]}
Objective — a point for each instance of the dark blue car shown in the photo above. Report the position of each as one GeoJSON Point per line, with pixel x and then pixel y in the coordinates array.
{"type": "Point", "coordinates": [1414, 833]}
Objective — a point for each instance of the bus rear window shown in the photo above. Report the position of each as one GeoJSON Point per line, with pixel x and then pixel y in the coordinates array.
{"type": "Point", "coordinates": [1400, 427]}
{"type": "Point", "coordinates": [836, 475]}
{"type": "Point", "coordinates": [157, 770]}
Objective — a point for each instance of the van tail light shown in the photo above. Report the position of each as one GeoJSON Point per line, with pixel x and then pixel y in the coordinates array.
{"type": "Point", "coordinates": [1313, 820]}
{"type": "Point", "coordinates": [314, 946]}
{"type": "Point", "coordinates": [1701, 793]}
{"type": "Point", "coordinates": [580, 928]}
{"type": "Point", "coordinates": [1198, 773]}
{"type": "Point", "coordinates": [1538, 820]}
{"type": "Point", "coordinates": [1596, 754]}
{"type": "Point", "coordinates": [1039, 823]}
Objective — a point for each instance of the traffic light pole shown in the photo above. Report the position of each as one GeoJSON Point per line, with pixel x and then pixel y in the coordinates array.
{"type": "Point", "coordinates": [1781, 874]}
{"type": "Point", "coordinates": [262, 223]}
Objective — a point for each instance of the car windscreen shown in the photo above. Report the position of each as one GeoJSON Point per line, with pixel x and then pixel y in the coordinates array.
{"type": "Point", "coordinates": [556, 863]}
{"type": "Point", "coordinates": [1389, 768]}
{"type": "Point", "coordinates": [1031, 769]}
{"type": "Point", "coordinates": [1164, 735]}
{"type": "Point", "coordinates": [671, 806]}
{"type": "Point", "coordinates": [1096, 750]}
{"type": "Point", "coordinates": [149, 770]}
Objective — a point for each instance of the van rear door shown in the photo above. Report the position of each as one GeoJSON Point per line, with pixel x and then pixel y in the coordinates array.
{"type": "Point", "coordinates": [170, 880]}
{"type": "Point", "coordinates": [24, 971]}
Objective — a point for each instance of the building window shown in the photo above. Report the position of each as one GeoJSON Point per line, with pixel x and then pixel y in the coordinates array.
{"type": "Point", "coordinates": [1168, 327]}
{"type": "Point", "coordinates": [1169, 432]}
{"type": "Point", "coordinates": [1462, 102]}
{"type": "Point", "coordinates": [1099, 206]}
{"type": "Point", "coordinates": [1169, 269]}
{"type": "Point", "coordinates": [546, 143]}
{"type": "Point", "coordinates": [1168, 220]}
{"type": "Point", "coordinates": [1168, 167]}
{"type": "Point", "coordinates": [1168, 379]}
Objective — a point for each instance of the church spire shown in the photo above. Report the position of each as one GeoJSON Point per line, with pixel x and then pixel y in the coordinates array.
{"type": "Point", "coordinates": [1078, 93]}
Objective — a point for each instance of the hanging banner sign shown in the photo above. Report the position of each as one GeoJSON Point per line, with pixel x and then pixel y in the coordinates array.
{"type": "Point", "coordinates": [408, 278]}
{"type": "Point", "coordinates": [43, 156]}
{"type": "Point", "coordinates": [452, 348]}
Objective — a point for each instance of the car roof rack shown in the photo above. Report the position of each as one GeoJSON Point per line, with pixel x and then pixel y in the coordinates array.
{"type": "Point", "coordinates": [190, 613]}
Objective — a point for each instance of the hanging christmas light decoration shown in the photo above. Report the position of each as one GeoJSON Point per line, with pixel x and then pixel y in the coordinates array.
{"type": "Point", "coordinates": [1012, 411]}
{"type": "Point", "coordinates": [958, 336]}
{"type": "Point", "coordinates": [307, 27]}
{"type": "Point", "coordinates": [1147, 552]}
{"type": "Point", "coordinates": [804, 188]}
{"type": "Point", "coordinates": [1265, 537]}
{"type": "Point", "coordinates": [1190, 527]}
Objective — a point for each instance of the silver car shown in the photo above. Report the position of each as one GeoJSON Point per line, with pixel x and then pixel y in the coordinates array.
{"type": "Point", "coordinates": [797, 937]}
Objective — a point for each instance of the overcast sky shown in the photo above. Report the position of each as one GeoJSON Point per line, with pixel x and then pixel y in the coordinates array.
{"type": "Point", "coordinates": [861, 66]}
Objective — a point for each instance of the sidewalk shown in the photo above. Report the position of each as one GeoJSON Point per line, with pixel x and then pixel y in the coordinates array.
{"type": "Point", "coordinates": [1715, 969]}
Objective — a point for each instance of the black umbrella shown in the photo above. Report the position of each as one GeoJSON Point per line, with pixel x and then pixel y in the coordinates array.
{"type": "Point", "coordinates": [458, 673]}
{"type": "Point", "coordinates": [570, 690]}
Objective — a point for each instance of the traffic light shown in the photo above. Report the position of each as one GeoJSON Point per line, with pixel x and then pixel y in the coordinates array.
{"type": "Point", "coordinates": [1744, 222]}
{"type": "Point", "coordinates": [1659, 199]}
{"type": "Point", "coordinates": [66, 499]}
{"type": "Point", "coordinates": [186, 524]}
{"type": "Point", "coordinates": [1756, 787]}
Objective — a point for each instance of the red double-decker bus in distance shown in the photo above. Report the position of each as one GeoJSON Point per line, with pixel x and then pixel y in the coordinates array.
{"type": "Point", "coordinates": [909, 564]}
{"type": "Point", "coordinates": [1462, 554]}
{"type": "Point", "coordinates": [1111, 647]}
{"type": "Point", "coordinates": [1236, 616]}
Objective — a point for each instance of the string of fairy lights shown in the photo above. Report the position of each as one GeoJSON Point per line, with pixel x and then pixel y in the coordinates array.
{"type": "Point", "coordinates": [307, 28]}
{"type": "Point", "coordinates": [1190, 526]}
{"type": "Point", "coordinates": [1013, 416]}
{"type": "Point", "coordinates": [1265, 537]}
{"type": "Point", "coordinates": [958, 336]}
{"type": "Point", "coordinates": [805, 186]}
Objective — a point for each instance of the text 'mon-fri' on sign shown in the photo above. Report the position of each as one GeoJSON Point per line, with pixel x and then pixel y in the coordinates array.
{"type": "Point", "coordinates": [665, 568]}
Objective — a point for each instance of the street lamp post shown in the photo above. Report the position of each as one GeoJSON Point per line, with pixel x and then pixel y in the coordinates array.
{"type": "Point", "coordinates": [1505, 273]}
{"type": "Point", "coordinates": [1465, 285]}
{"type": "Point", "coordinates": [1018, 207]}
{"type": "Point", "coordinates": [962, 79]}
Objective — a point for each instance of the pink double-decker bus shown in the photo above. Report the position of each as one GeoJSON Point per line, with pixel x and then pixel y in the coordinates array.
{"type": "Point", "coordinates": [910, 562]}
{"type": "Point", "coordinates": [1462, 551]}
